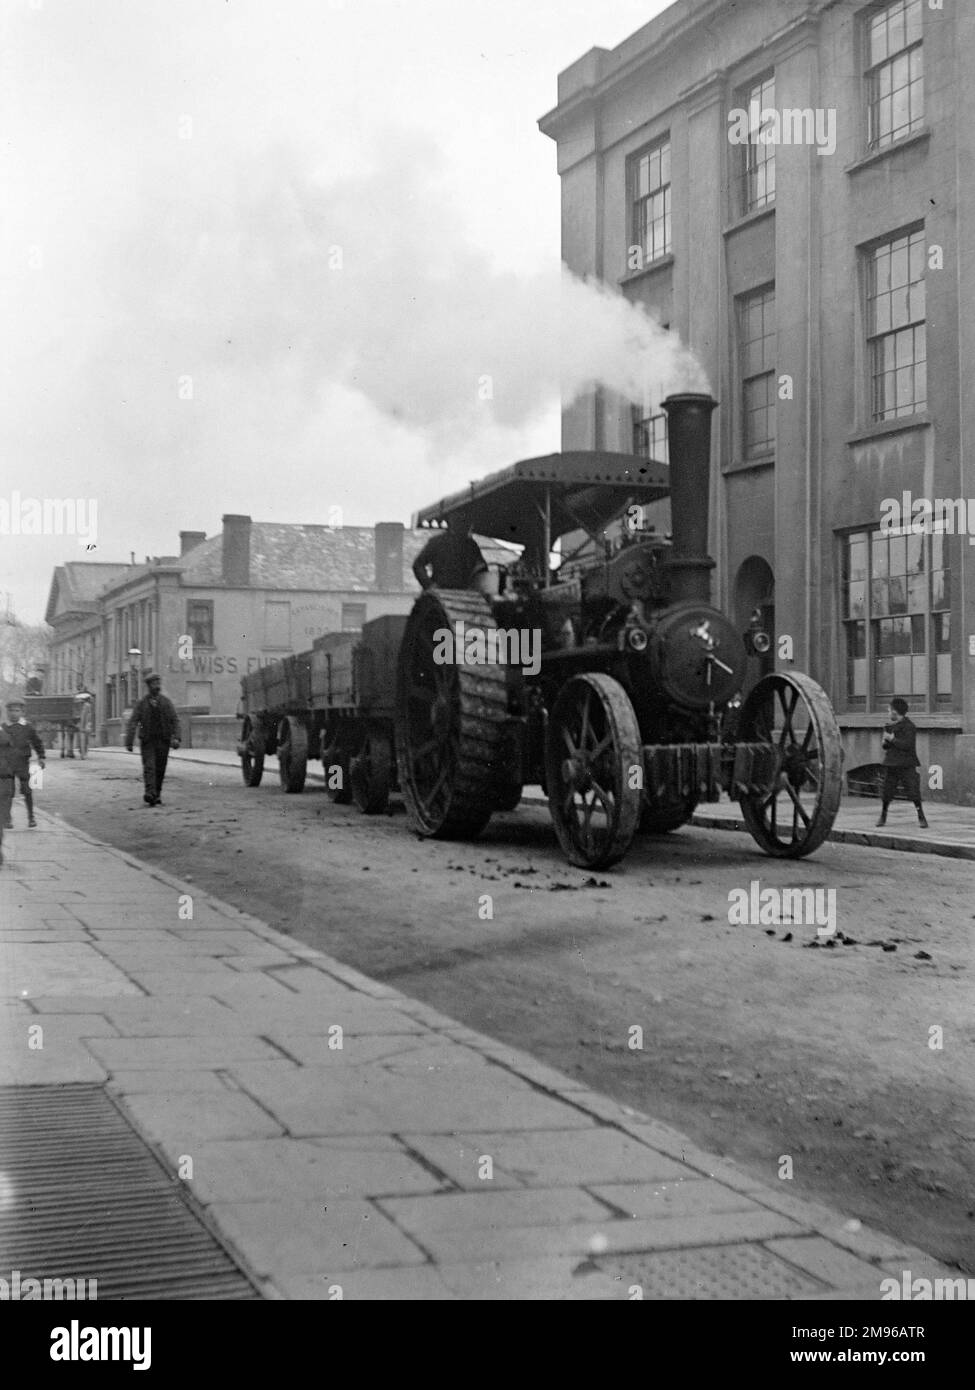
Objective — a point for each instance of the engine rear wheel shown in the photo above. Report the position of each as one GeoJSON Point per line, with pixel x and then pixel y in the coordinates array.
{"type": "Point", "coordinates": [253, 751]}
{"type": "Point", "coordinates": [795, 814]}
{"type": "Point", "coordinates": [292, 754]}
{"type": "Point", "coordinates": [593, 741]}
{"type": "Point", "coordinates": [450, 721]}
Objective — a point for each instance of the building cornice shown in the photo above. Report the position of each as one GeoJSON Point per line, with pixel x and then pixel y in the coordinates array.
{"type": "Point", "coordinates": [709, 91]}
{"type": "Point", "coordinates": [797, 34]}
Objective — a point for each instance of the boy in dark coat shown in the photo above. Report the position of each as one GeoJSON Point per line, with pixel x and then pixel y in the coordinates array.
{"type": "Point", "coordinates": [24, 737]}
{"type": "Point", "coordinates": [158, 724]}
{"type": "Point", "coordinates": [901, 762]}
{"type": "Point", "coordinates": [8, 766]}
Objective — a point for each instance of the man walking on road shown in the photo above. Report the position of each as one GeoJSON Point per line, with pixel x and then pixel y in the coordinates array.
{"type": "Point", "coordinates": [24, 737]}
{"type": "Point", "coordinates": [159, 731]}
{"type": "Point", "coordinates": [901, 762]}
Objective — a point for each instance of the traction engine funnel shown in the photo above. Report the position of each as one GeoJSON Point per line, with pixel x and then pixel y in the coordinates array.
{"type": "Point", "coordinates": [689, 434]}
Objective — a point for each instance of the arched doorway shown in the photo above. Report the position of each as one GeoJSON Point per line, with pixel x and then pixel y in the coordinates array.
{"type": "Point", "coordinates": [754, 599]}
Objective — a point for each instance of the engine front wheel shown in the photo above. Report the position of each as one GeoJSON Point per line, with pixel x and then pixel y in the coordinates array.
{"type": "Point", "coordinates": [593, 743]}
{"type": "Point", "coordinates": [793, 816]}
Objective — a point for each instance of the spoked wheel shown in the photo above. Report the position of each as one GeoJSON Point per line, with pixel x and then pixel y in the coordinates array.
{"type": "Point", "coordinates": [253, 748]}
{"type": "Point", "coordinates": [796, 813]}
{"type": "Point", "coordinates": [292, 754]}
{"type": "Point", "coordinates": [658, 820]}
{"type": "Point", "coordinates": [450, 721]}
{"type": "Point", "coordinates": [338, 781]}
{"type": "Point", "coordinates": [593, 741]}
{"type": "Point", "coordinates": [371, 774]}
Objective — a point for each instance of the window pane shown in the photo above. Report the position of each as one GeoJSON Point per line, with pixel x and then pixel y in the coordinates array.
{"type": "Point", "coordinates": [897, 554]}
{"type": "Point", "coordinates": [878, 598]}
{"type": "Point", "coordinates": [858, 557]}
{"type": "Point", "coordinates": [916, 593]}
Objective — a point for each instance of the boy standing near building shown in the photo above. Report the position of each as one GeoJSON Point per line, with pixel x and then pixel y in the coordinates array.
{"type": "Point", "coordinates": [23, 738]}
{"type": "Point", "coordinates": [901, 762]}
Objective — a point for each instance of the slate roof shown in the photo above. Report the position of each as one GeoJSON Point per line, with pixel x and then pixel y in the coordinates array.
{"type": "Point", "coordinates": [284, 556]}
{"type": "Point", "coordinates": [80, 582]}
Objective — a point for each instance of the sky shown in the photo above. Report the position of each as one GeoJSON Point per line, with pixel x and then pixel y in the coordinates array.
{"type": "Point", "coordinates": [298, 260]}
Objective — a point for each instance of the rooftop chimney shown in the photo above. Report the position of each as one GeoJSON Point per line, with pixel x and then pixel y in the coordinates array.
{"type": "Point", "coordinates": [389, 555]}
{"type": "Point", "coordinates": [689, 437]}
{"type": "Point", "coordinates": [189, 539]}
{"type": "Point", "coordinates": [237, 551]}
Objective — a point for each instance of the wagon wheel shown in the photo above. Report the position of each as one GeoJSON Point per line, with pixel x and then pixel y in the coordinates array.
{"type": "Point", "coordinates": [335, 759]}
{"type": "Point", "coordinates": [795, 813]}
{"type": "Point", "coordinates": [593, 741]}
{"type": "Point", "coordinates": [292, 754]}
{"type": "Point", "coordinates": [450, 720]}
{"type": "Point", "coordinates": [371, 774]}
{"type": "Point", "coordinates": [253, 748]}
{"type": "Point", "coordinates": [658, 820]}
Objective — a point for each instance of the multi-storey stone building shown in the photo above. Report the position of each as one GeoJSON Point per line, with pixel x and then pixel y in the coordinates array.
{"type": "Point", "coordinates": [791, 188]}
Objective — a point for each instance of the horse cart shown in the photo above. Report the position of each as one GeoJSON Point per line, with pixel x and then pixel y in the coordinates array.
{"type": "Point", "coordinates": [62, 719]}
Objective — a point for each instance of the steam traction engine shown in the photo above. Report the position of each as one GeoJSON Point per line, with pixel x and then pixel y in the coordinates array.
{"type": "Point", "coordinates": [633, 717]}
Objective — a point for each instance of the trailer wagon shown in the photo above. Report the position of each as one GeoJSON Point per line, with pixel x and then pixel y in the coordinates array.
{"type": "Point", "coordinates": [334, 704]}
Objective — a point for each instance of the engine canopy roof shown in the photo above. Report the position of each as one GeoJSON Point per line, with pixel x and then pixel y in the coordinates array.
{"type": "Point", "coordinates": [583, 489]}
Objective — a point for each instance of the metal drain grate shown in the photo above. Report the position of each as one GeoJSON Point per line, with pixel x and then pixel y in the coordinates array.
{"type": "Point", "coordinates": [82, 1197]}
{"type": "Point", "coordinates": [728, 1272]}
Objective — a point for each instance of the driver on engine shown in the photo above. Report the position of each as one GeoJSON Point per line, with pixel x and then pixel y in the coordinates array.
{"type": "Point", "coordinates": [451, 559]}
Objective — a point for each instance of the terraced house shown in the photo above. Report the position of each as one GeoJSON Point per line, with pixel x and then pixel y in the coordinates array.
{"type": "Point", "coordinates": [791, 187]}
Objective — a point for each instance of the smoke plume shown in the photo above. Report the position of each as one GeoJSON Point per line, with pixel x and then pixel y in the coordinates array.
{"type": "Point", "coordinates": [372, 284]}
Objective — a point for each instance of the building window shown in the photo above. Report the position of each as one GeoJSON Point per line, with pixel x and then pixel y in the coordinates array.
{"type": "Point", "coordinates": [896, 600]}
{"type": "Point", "coordinates": [199, 622]}
{"type": "Point", "coordinates": [895, 327]}
{"type": "Point", "coordinates": [277, 625]}
{"type": "Point", "coordinates": [758, 157]}
{"type": "Point", "coordinates": [650, 434]}
{"type": "Point", "coordinates": [895, 79]}
{"type": "Point", "coordinates": [650, 201]}
{"type": "Point", "coordinates": [353, 617]}
{"type": "Point", "coordinates": [756, 337]}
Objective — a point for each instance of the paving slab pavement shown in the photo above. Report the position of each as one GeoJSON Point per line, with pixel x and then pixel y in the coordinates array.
{"type": "Point", "coordinates": [342, 1136]}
